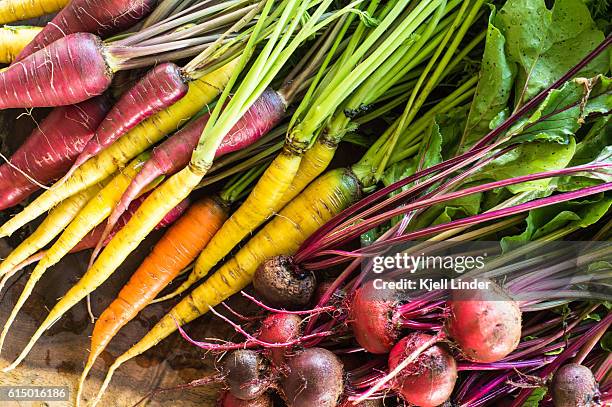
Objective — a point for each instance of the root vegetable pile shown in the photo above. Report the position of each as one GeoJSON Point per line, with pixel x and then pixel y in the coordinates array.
{"type": "Point", "coordinates": [411, 197]}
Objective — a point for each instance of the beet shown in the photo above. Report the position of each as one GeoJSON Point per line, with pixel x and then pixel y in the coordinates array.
{"type": "Point", "coordinates": [371, 316]}
{"type": "Point", "coordinates": [282, 283]}
{"type": "Point", "coordinates": [574, 385]}
{"type": "Point", "coordinates": [228, 400]}
{"type": "Point", "coordinates": [246, 374]}
{"type": "Point", "coordinates": [486, 324]}
{"type": "Point", "coordinates": [429, 380]}
{"type": "Point", "coordinates": [280, 328]}
{"type": "Point", "coordinates": [315, 378]}
{"type": "Point", "coordinates": [366, 403]}
{"type": "Point", "coordinates": [322, 288]}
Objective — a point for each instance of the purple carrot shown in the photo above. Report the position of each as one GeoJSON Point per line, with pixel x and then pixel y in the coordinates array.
{"type": "Point", "coordinates": [174, 153]}
{"type": "Point", "coordinates": [160, 88]}
{"type": "Point", "coordinates": [100, 17]}
{"type": "Point", "coordinates": [69, 71]}
{"type": "Point", "coordinates": [50, 149]}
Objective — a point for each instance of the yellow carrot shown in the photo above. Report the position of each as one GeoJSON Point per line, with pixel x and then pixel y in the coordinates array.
{"type": "Point", "coordinates": [324, 198]}
{"type": "Point", "coordinates": [13, 39]}
{"type": "Point", "coordinates": [54, 223]}
{"type": "Point", "coordinates": [315, 161]}
{"type": "Point", "coordinates": [311, 161]}
{"type": "Point", "coordinates": [259, 205]}
{"type": "Point", "coordinates": [268, 197]}
{"type": "Point", "coordinates": [15, 10]}
{"type": "Point", "coordinates": [96, 210]}
{"type": "Point", "coordinates": [141, 137]}
{"type": "Point", "coordinates": [173, 252]}
{"type": "Point", "coordinates": [121, 245]}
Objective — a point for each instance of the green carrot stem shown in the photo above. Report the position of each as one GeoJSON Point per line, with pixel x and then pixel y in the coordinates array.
{"type": "Point", "coordinates": [309, 29]}
{"type": "Point", "coordinates": [386, 150]}
{"type": "Point", "coordinates": [263, 143]}
{"type": "Point", "coordinates": [323, 51]}
{"type": "Point", "coordinates": [319, 77]}
{"type": "Point", "coordinates": [456, 98]}
{"type": "Point", "coordinates": [177, 21]}
{"type": "Point", "coordinates": [367, 168]}
{"type": "Point", "coordinates": [400, 63]}
{"type": "Point", "coordinates": [354, 42]}
{"type": "Point", "coordinates": [378, 82]}
{"type": "Point", "coordinates": [265, 156]}
{"type": "Point", "coordinates": [202, 28]}
{"type": "Point", "coordinates": [162, 11]}
{"type": "Point", "coordinates": [271, 59]}
{"type": "Point", "coordinates": [396, 96]}
{"type": "Point", "coordinates": [415, 103]}
{"type": "Point", "coordinates": [417, 96]}
{"type": "Point", "coordinates": [192, 67]}
{"type": "Point", "coordinates": [126, 53]}
{"type": "Point", "coordinates": [333, 95]}
{"type": "Point", "coordinates": [182, 53]}
{"type": "Point", "coordinates": [238, 185]}
{"type": "Point", "coordinates": [465, 91]}
{"type": "Point", "coordinates": [202, 158]}
{"type": "Point", "coordinates": [399, 93]}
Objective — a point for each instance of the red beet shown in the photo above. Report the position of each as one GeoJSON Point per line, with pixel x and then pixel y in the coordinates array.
{"type": "Point", "coordinates": [101, 17]}
{"type": "Point", "coordinates": [280, 328]}
{"type": "Point", "coordinates": [50, 150]}
{"type": "Point", "coordinates": [315, 378]}
{"type": "Point", "coordinates": [246, 374]}
{"type": "Point", "coordinates": [367, 403]}
{"type": "Point", "coordinates": [282, 283]}
{"type": "Point", "coordinates": [574, 385]}
{"type": "Point", "coordinates": [230, 401]}
{"type": "Point", "coordinates": [429, 380]}
{"type": "Point", "coordinates": [486, 324]}
{"type": "Point", "coordinates": [371, 316]}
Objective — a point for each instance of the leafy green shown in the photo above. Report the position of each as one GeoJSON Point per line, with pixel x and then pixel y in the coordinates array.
{"type": "Point", "coordinates": [546, 43]}
{"type": "Point", "coordinates": [450, 210]}
{"type": "Point", "coordinates": [494, 86]}
{"type": "Point", "coordinates": [606, 342]}
{"type": "Point", "coordinates": [591, 146]}
{"type": "Point", "coordinates": [547, 135]}
{"type": "Point", "coordinates": [529, 158]}
{"type": "Point", "coordinates": [564, 110]}
{"type": "Point", "coordinates": [536, 396]}
{"type": "Point", "coordinates": [574, 214]}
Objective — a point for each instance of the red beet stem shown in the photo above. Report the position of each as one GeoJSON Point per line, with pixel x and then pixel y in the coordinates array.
{"type": "Point", "coordinates": [49, 150]}
{"type": "Point", "coordinates": [478, 149]}
{"type": "Point", "coordinates": [101, 17]}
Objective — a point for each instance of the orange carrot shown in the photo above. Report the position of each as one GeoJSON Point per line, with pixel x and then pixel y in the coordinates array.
{"type": "Point", "coordinates": [179, 246]}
